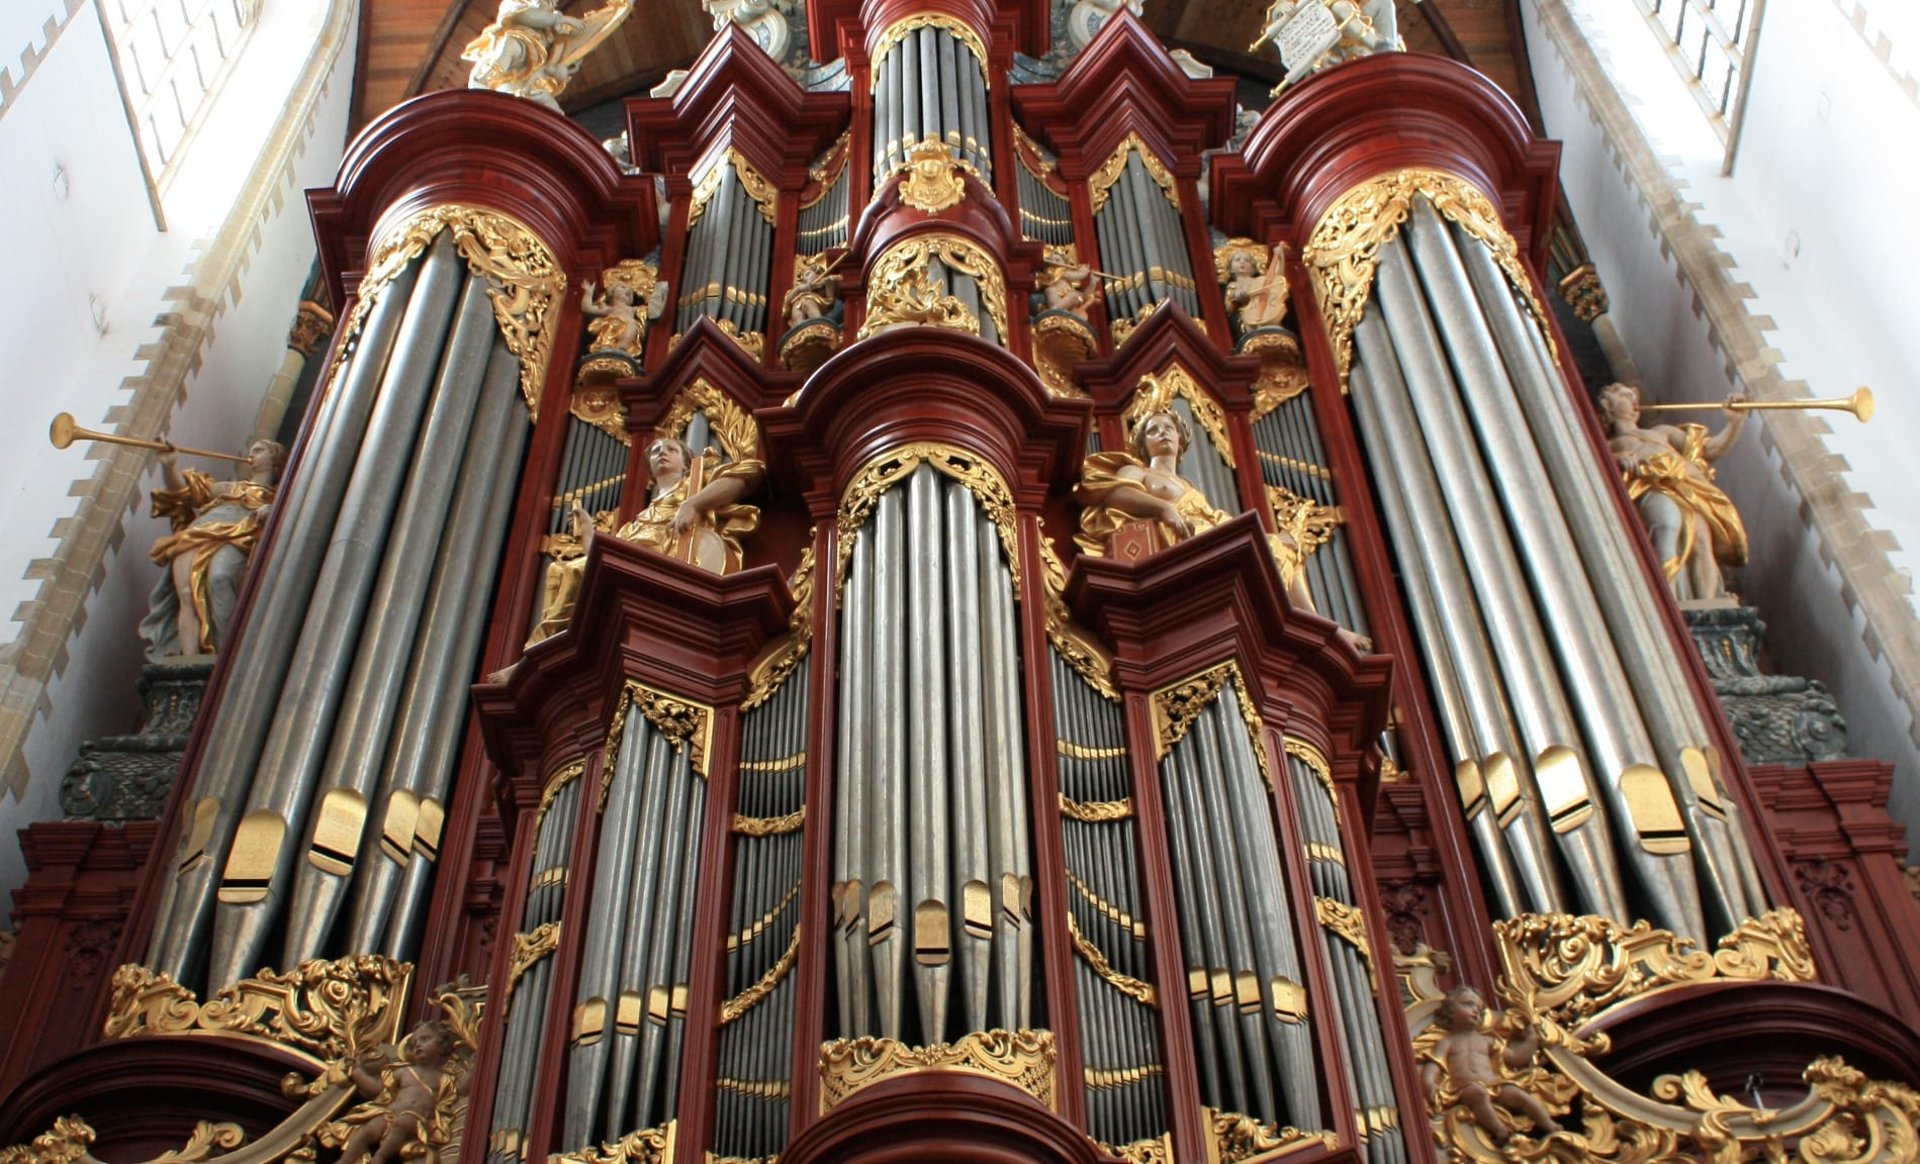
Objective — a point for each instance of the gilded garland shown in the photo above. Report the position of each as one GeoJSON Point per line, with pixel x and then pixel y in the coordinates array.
{"type": "Point", "coordinates": [782, 657]}
{"type": "Point", "coordinates": [957, 28]}
{"type": "Point", "coordinates": [1100, 185]}
{"type": "Point", "coordinates": [900, 290]}
{"type": "Point", "coordinates": [765, 195]}
{"type": "Point", "coordinates": [1087, 655]}
{"type": "Point", "coordinates": [749, 998]}
{"type": "Point", "coordinates": [561, 777]}
{"type": "Point", "coordinates": [890, 468]}
{"type": "Point", "coordinates": [523, 280]}
{"type": "Point", "coordinates": [1157, 393]}
{"type": "Point", "coordinates": [734, 425]}
{"type": "Point", "coordinates": [1177, 705]}
{"type": "Point", "coordinates": [1023, 1058]}
{"type": "Point", "coordinates": [1344, 251]}
{"type": "Point", "coordinates": [647, 1146]}
{"type": "Point", "coordinates": [1097, 961]}
{"type": "Point", "coordinates": [683, 722]}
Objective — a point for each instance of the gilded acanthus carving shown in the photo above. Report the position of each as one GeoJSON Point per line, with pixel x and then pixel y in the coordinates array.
{"type": "Point", "coordinates": [1022, 1058]}
{"type": "Point", "coordinates": [318, 1010]}
{"type": "Point", "coordinates": [1576, 968]}
{"type": "Point", "coordinates": [67, 1142]}
{"type": "Point", "coordinates": [901, 292]}
{"type": "Point", "coordinates": [765, 195]}
{"type": "Point", "coordinates": [749, 998]}
{"type": "Point", "coordinates": [959, 29]}
{"type": "Point", "coordinates": [524, 281]}
{"type": "Point", "coordinates": [1239, 1137]}
{"type": "Point", "coordinates": [1077, 645]}
{"type": "Point", "coordinates": [647, 1146]}
{"type": "Point", "coordinates": [414, 1095]}
{"type": "Point", "coordinates": [1100, 185]}
{"type": "Point", "coordinates": [529, 948]}
{"type": "Point", "coordinates": [1177, 706]}
{"type": "Point", "coordinates": [782, 657]}
{"type": "Point", "coordinates": [734, 425]}
{"type": "Point", "coordinates": [885, 471]}
{"type": "Point", "coordinates": [685, 723]}
{"type": "Point", "coordinates": [1344, 251]}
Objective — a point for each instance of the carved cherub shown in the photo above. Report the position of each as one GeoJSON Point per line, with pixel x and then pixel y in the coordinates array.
{"type": "Point", "coordinates": [409, 1099]}
{"type": "Point", "coordinates": [815, 289]}
{"type": "Point", "coordinates": [618, 319]}
{"type": "Point", "coordinates": [1064, 284]}
{"type": "Point", "coordinates": [1470, 1066]}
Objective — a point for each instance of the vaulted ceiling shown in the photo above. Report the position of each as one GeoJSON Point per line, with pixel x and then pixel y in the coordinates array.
{"type": "Point", "coordinates": [408, 47]}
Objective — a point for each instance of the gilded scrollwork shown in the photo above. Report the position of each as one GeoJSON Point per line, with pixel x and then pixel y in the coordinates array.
{"type": "Point", "coordinates": [782, 657]}
{"type": "Point", "coordinates": [1157, 393]}
{"type": "Point", "coordinates": [683, 722]}
{"type": "Point", "coordinates": [1087, 655]}
{"type": "Point", "coordinates": [562, 776]}
{"type": "Point", "coordinates": [597, 403]}
{"type": "Point", "coordinates": [1100, 185]}
{"type": "Point", "coordinates": [1309, 755]}
{"type": "Point", "coordinates": [739, 434]}
{"type": "Point", "coordinates": [890, 468]}
{"type": "Point", "coordinates": [1097, 961]}
{"type": "Point", "coordinates": [933, 182]}
{"type": "Point", "coordinates": [68, 1141]}
{"type": "Point", "coordinates": [646, 1146]}
{"type": "Point", "coordinates": [1346, 921]}
{"type": "Point", "coordinates": [959, 29]}
{"type": "Point", "coordinates": [1158, 1150]}
{"type": "Point", "coordinates": [1238, 1137]}
{"type": "Point", "coordinates": [899, 290]}
{"type": "Point", "coordinates": [747, 999]}
{"type": "Point", "coordinates": [1576, 968]}
{"type": "Point", "coordinates": [1344, 251]}
{"type": "Point", "coordinates": [318, 1010]}
{"type": "Point", "coordinates": [751, 342]}
{"type": "Point", "coordinates": [769, 826]}
{"type": "Point", "coordinates": [1022, 1058]}
{"type": "Point", "coordinates": [524, 280]}
{"type": "Point", "coordinates": [1096, 811]}
{"type": "Point", "coordinates": [1177, 706]}
{"type": "Point", "coordinates": [765, 195]}
{"type": "Point", "coordinates": [529, 948]}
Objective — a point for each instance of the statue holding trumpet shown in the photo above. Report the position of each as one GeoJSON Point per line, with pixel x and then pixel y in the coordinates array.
{"type": "Point", "coordinates": [1669, 475]}
{"type": "Point", "coordinates": [216, 525]}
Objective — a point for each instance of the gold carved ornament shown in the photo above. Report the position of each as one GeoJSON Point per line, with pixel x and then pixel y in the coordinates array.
{"type": "Point", "coordinates": [318, 1011]}
{"type": "Point", "coordinates": [1233, 1137]}
{"type": "Point", "coordinates": [1344, 251]}
{"type": "Point", "coordinates": [1157, 393]}
{"type": "Point", "coordinates": [782, 657]}
{"type": "Point", "coordinates": [1100, 185]}
{"type": "Point", "coordinates": [598, 403]}
{"type": "Point", "coordinates": [1087, 655]}
{"type": "Point", "coordinates": [1845, 1116]}
{"type": "Point", "coordinates": [685, 723]}
{"type": "Point", "coordinates": [1283, 374]}
{"type": "Point", "coordinates": [899, 290]}
{"type": "Point", "coordinates": [769, 826]}
{"type": "Point", "coordinates": [892, 467]}
{"type": "Point", "coordinates": [1316, 763]}
{"type": "Point", "coordinates": [1583, 291]}
{"type": "Point", "coordinates": [528, 949]}
{"type": "Point", "coordinates": [959, 29]}
{"type": "Point", "coordinates": [1096, 960]}
{"type": "Point", "coordinates": [1096, 811]}
{"type": "Point", "coordinates": [647, 1146]}
{"type": "Point", "coordinates": [1177, 705]}
{"type": "Point", "coordinates": [765, 195]}
{"type": "Point", "coordinates": [751, 342]}
{"type": "Point", "coordinates": [523, 280]}
{"type": "Point", "coordinates": [1022, 1058]}
{"type": "Point", "coordinates": [933, 183]}
{"type": "Point", "coordinates": [739, 434]}
{"type": "Point", "coordinates": [828, 171]}
{"type": "Point", "coordinates": [1578, 968]}
{"type": "Point", "coordinates": [749, 998]}
{"type": "Point", "coordinates": [1306, 523]}
{"type": "Point", "coordinates": [609, 331]}
{"type": "Point", "coordinates": [562, 776]}
{"type": "Point", "coordinates": [1107, 909]}
{"type": "Point", "coordinates": [70, 1141]}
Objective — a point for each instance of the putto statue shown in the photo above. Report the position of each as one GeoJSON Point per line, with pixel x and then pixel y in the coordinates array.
{"type": "Point", "coordinates": [694, 514]}
{"type": "Point", "coordinates": [409, 1099]}
{"type": "Point", "coordinates": [1066, 284]}
{"type": "Point", "coordinates": [1463, 1064]}
{"type": "Point", "coordinates": [1256, 283]}
{"type": "Point", "coordinates": [1669, 474]}
{"type": "Point", "coordinates": [215, 527]}
{"type": "Point", "coordinates": [618, 319]}
{"type": "Point", "coordinates": [816, 289]}
{"type": "Point", "coordinates": [532, 49]}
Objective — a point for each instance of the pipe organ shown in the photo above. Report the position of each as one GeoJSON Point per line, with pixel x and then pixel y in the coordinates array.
{"type": "Point", "coordinates": [857, 810]}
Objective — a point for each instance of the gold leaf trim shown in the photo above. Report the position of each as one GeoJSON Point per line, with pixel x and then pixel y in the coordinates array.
{"type": "Point", "coordinates": [685, 723]}
{"type": "Point", "coordinates": [1315, 761]}
{"type": "Point", "coordinates": [524, 280]}
{"type": "Point", "coordinates": [1083, 752]}
{"type": "Point", "coordinates": [769, 826]}
{"type": "Point", "coordinates": [894, 466]}
{"type": "Point", "coordinates": [1157, 393]}
{"type": "Point", "coordinates": [1022, 1058]}
{"type": "Point", "coordinates": [898, 290]}
{"type": "Point", "coordinates": [1075, 644]}
{"type": "Point", "coordinates": [1158, 1150]}
{"type": "Point", "coordinates": [1100, 185]}
{"type": "Point", "coordinates": [962, 32]}
{"type": "Point", "coordinates": [560, 779]}
{"type": "Point", "coordinates": [765, 195]}
{"type": "Point", "coordinates": [1344, 251]}
{"type": "Point", "coordinates": [1235, 1137]}
{"type": "Point", "coordinates": [1097, 961]}
{"type": "Point", "coordinates": [1345, 920]}
{"type": "Point", "coordinates": [751, 342]}
{"type": "Point", "coordinates": [1107, 909]}
{"type": "Point", "coordinates": [933, 183]}
{"type": "Point", "coordinates": [319, 1010]}
{"type": "Point", "coordinates": [647, 1146]}
{"type": "Point", "coordinates": [747, 999]}
{"type": "Point", "coordinates": [782, 657]}
{"type": "Point", "coordinates": [1096, 811]}
{"type": "Point", "coordinates": [759, 925]}
{"type": "Point", "coordinates": [67, 1142]}
{"type": "Point", "coordinates": [734, 425]}
{"type": "Point", "coordinates": [1578, 968]}
{"type": "Point", "coordinates": [1177, 705]}
{"type": "Point", "coordinates": [529, 948]}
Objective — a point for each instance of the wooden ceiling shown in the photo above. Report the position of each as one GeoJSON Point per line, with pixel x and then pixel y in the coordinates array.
{"type": "Point", "coordinates": [408, 47]}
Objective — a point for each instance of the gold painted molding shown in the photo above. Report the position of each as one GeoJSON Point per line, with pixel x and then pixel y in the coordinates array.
{"type": "Point", "coordinates": [1023, 1059]}
{"type": "Point", "coordinates": [1100, 184]}
{"type": "Point", "coordinates": [319, 1010]}
{"type": "Point", "coordinates": [734, 425]}
{"type": "Point", "coordinates": [894, 466]}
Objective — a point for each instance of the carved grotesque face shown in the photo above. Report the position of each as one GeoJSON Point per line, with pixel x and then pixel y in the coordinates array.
{"type": "Point", "coordinates": [667, 459]}
{"type": "Point", "coordinates": [1160, 435]}
{"type": "Point", "coordinates": [1620, 402]}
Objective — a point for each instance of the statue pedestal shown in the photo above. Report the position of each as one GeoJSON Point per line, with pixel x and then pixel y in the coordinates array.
{"type": "Point", "coordinates": [123, 778]}
{"type": "Point", "coordinates": [1778, 719]}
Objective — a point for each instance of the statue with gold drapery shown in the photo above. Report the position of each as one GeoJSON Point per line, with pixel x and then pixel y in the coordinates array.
{"type": "Point", "coordinates": [1669, 475]}
{"type": "Point", "coordinates": [215, 527]}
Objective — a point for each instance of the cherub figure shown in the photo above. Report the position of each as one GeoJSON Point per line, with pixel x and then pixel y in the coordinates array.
{"type": "Point", "coordinates": [815, 291]}
{"type": "Point", "coordinates": [618, 320]}
{"type": "Point", "coordinates": [532, 49]}
{"type": "Point", "coordinates": [1477, 1069]}
{"type": "Point", "coordinates": [1255, 281]}
{"type": "Point", "coordinates": [408, 1101]}
{"type": "Point", "coordinates": [1067, 284]}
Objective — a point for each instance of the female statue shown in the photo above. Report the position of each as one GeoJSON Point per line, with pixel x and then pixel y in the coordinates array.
{"type": "Point", "coordinates": [215, 527]}
{"type": "Point", "coordinates": [694, 514]}
{"type": "Point", "coordinates": [1669, 473]}
{"type": "Point", "coordinates": [1256, 283]}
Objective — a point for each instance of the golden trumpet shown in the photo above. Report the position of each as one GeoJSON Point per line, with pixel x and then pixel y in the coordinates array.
{"type": "Point", "coordinates": [1860, 404]}
{"type": "Point", "coordinates": [63, 432]}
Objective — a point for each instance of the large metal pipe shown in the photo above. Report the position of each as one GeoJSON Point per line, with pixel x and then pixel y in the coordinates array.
{"type": "Point", "coordinates": [261, 863]}
{"type": "Point", "coordinates": [286, 579]}
{"type": "Point", "coordinates": [1009, 856]}
{"type": "Point", "coordinates": [643, 976]}
{"type": "Point", "coordinates": [1601, 695]}
{"type": "Point", "coordinates": [929, 780]}
{"type": "Point", "coordinates": [1201, 899]}
{"type": "Point", "coordinates": [887, 939]}
{"type": "Point", "coordinates": [368, 707]}
{"type": "Point", "coordinates": [856, 743]}
{"type": "Point", "coordinates": [973, 926]}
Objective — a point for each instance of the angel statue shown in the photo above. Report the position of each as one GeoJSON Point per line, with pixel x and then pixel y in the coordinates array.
{"type": "Point", "coordinates": [409, 1099]}
{"type": "Point", "coordinates": [618, 318]}
{"type": "Point", "coordinates": [1256, 282]}
{"type": "Point", "coordinates": [215, 527]}
{"type": "Point", "coordinates": [1669, 475]}
{"type": "Point", "coordinates": [1066, 284]}
{"type": "Point", "coordinates": [532, 49]}
{"type": "Point", "coordinates": [1463, 1064]}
